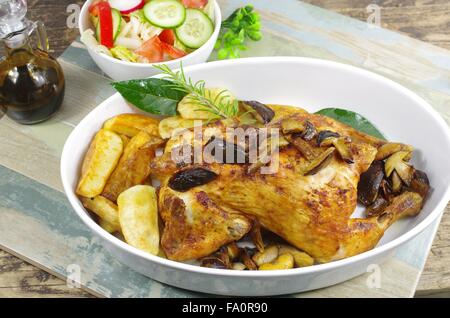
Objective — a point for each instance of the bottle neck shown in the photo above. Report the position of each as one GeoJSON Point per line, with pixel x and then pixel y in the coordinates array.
{"type": "Point", "coordinates": [18, 42]}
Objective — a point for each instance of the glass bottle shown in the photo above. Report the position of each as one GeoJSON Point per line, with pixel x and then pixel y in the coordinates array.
{"type": "Point", "coordinates": [31, 81]}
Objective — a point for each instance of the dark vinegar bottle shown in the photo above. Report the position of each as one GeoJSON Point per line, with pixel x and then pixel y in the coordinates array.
{"type": "Point", "coordinates": [31, 85]}
{"type": "Point", "coordinates": [31, 81]}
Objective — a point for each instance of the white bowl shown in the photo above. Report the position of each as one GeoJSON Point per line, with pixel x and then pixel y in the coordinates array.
{"type": "Point", "coordinates": [122, 70]}
{"type": "Point", "coordinates": [313, 84]}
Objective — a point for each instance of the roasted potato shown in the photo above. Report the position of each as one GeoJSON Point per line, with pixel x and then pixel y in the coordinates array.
{"type": "Point", "coordinates": [131, 124]}
{"type": "Point", "coordinates": [134, 165]}
{"type": "Point", "coordinates": [171, 125]}
{"type": "Point", "coordinates": [108, 227]}
{"type": "Point", "coordinates": [106, 210]}
{"type": "Point", "coordinates": [301, 259]}
{"type": "Point", "coordinates": [189, 109]}
{"type": "Point", "coordinates": [100, 160]}
{"type": "Point", "coordinates": [284, 261]}
{"type": "Point", "coordinates": [138, 216]}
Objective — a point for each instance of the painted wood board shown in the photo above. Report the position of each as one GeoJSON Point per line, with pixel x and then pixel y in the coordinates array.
{"type": "Point", "coordinates": [31, 160]}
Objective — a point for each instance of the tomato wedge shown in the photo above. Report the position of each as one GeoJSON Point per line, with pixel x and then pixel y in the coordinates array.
{"type": "Point", "coordinates": [194, 4]}
{"type": "Point", "coordinates": [167, 36]}
{"type": "Point", "coordinates": [93, 8]}
{"type": "Point", "coordinates": [152, 50]}
{"type": "Point", "coordinates": [173, 52]}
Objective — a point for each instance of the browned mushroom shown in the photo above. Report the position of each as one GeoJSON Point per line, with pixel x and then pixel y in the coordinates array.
{"type": "Point", "coordinates": [291, 125]}
{"type": "Point", "coordinates": [246, 258]}
{"type": "Point", "coordinates": [389, 149]}
{"type": "Point", "coordinates": [189, 178]}
{"type": "Point", "coordinates": [310, 131]}
{"type": "Point", "coordinates": [233, 251]}
{"type": "Point", "coordinates": [385, 189]}
{"type": "Point", "coordinates": [328, 138]}
{"type": "Point", "coordinates": [420, 183]}
{"type": "Point", "coordinates": [255, 234]}
{"type": "Point", "coordinates": [377, 207]}
{"type": "Point", "coordinates": [369, 183]}
{"type": "Point", "coordinates": [326, 134]}
{"type": "Point", "coordinates": [320, 162]}
{"type": "Point", "coordinates": [397, 162]}
{"type": "Point", "coordinates": [309, 152]}
{"type": "Point", "coordinates": [306, 130]}
{"type": "Point", "coordinates": [219, 259]}
{"type": "Point", "coordinates": [261, 112]}
{"type": "Point", "coordinates": [396, 182]}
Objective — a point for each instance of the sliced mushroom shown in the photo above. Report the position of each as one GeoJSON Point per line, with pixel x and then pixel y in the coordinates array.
{"type": "Point", "coordinates": [189, 178]}
{"type": "Point", "coordinates": [255, 234]}
{"type": "Point", "coordinates": [389, 149]}
{"type": "Point", "coordinates": [342, 146]}
{"type": "Point", "coordinates": [369, 183]}
{"type": "Point", "coordinates": [303, 146]}
{"type": "Point", "coordinates": [310, 131]}
{"type": "Point", "coordinates": [291, 125]}
{"type": "Point", "coordinates": [233, 251]}
{"type": "Point", "coordinates": [377, 207]}
{"type": "Point", "coordinates": [396, 182]}
{"type": "Point", "coordinates": [262, 159]}
{"type": "Point", "coordinates": [219, 259]}
{"type": "Point", "coordinates": [247, 260]}
{"type": "Point", "coordinates": [305, 130]}
{"type": "Point", "coordinates": [262, 113]}
{"type": "Point", "coordinates": [326, 134]}
{"type": "Point", "coordinates": [328, 138]}
{"type": "Point", "coordinates": [397, 162]}
{"type": "Point", "coordinates": [420, 183]}
{"type": "Point", "coordinates": [386, 190]}
{"type": "Point", "coordinates": [320, 162]}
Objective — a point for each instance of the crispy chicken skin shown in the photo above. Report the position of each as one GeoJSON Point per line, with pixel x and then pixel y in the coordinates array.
{"type": "Point", "coordinates": [311, 212]}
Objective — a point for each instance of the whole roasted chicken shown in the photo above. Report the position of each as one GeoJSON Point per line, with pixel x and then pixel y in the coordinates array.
{"type": "Point", "coordinates": [323, 168]}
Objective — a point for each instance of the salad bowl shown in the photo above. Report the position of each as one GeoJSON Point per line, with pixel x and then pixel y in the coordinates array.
{"type": "Point", "coordinates": [311, 84]}
{"type": "Point", "coordinates": [123, 70]}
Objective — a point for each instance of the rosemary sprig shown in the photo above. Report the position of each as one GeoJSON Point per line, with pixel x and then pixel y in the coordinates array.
{"type": "Point", "coordinates": [220, 106]}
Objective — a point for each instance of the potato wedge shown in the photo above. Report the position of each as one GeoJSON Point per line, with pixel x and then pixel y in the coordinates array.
{"type": "Point", "coordinates": [100, 160]}
{"type": "Point", "coordinates": [108, 227]}
{"type": "Point", "coordinates": [106, 210]}
{"type": "Point", "coordinates": [171, 125]}
{"type": "Point", "coordinates": [301, 259]}
{"type": "Point", "coordinates": [125, 140]}
{"type": "Point", "coordinates": [138, 216]}
{"type": "Point", "coordinates": [131, 124]}
{"type": "Point", "coordinates": [134, 165]}
{"type": "Point", "coordinates": [188, 109]}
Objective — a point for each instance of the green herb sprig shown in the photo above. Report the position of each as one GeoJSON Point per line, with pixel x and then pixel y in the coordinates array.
{"type": "Point", "coordinates": [220, 106]}
{"type": "Point", "coordinates": [244, 23]}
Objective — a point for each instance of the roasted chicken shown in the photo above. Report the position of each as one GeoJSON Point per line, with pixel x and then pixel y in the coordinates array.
{"type": "Point", "coordinates": [309, 201]}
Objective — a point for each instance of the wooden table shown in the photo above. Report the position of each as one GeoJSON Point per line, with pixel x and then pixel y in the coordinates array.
{"type": "Point", "coordinates": [425, 20]}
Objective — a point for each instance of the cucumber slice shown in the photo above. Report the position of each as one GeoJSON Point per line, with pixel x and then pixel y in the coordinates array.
{"type": "Point", "coordinates": [165, 13]}
{"type": "Point", "coordinates": [196, 29]}
{"type": "Point", "coordinates": [117, 22]}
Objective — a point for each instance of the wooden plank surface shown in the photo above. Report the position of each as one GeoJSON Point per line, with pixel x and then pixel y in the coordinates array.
{"type": "Point", "coordinates": [60, 36]}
